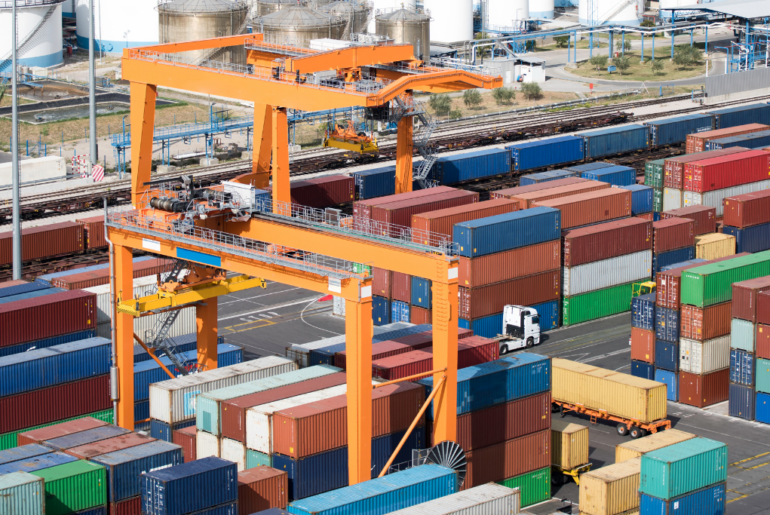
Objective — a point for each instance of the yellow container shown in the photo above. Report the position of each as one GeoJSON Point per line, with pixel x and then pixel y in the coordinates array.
{"type": "Point", "coordinates": [612, 392]}
{"type": "Point", "coordinates": [636, 448]}
{"type": "Point", "coordinates": [569, 444]}
{"type": "Point", "coordinates": [714, 246]}
{"type": "Point", "coordinates": [611, 490]}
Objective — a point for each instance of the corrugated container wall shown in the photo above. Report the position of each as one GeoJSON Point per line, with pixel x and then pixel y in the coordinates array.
{"type": "Point", "coordinates": [674, 166]}
{"type": "Point", "coordinates": [697, 142]}
{"type": "Point", "coordinates": [569, 444]}
{"type": "Point", "coordinates": [545, 177]}
{"type": "Point", "coordinates": [427, 226]}
{"type": "Point", "coordinates": [546, 152]}
{"type": "Point", "coordinates": [44, 242]}
{"type": "Point", "coordinates": [607, 240]}
{"type": "Point", "coordinates": [22, 493]}
{"type": "Point", "coordinates": [615, 175]}
{"type": "Point", "coordinates": [711, 499]}
{"type": "Point", "coordinates": [590, 208]}
{"type": "Point", "coordinates": [748, 209]}
{"type": "Point", "coordinates": [726, 171]}
{"type": "Point", "coordinates": [704, 357]}
{"type": "Point", "coordinates": [712, 283]}
{"type": "Point", "coordinates": [377, 182]}
{"type": "Point", "coordinates": [610, 489]}
{"type": "Point", "coordinates": [674, 130]}
{"type": "Point", "coordinates": [510, 264]}
{"type": "Point", "coordinates": [745, 297]}
{"type": "Point", "coordinates": [471, 165]}
{"type": "Point", "coordinates": [716, 198]}
{"type": "Point", "coordinates": [659, 440]}
{"type": "Point", "coordinates": [705, 323]}
{"type": "Point", "coordinates": [750, 239]}
{"type": "Point", "coordinates": [615, 140]}
{"type": "Point", "coordinates": [596, 304]}
{"type": "Point", "coordinates": [481, 500]}
{"type": "Point", "coordinates": [526, 291]}
{"type": "Point", "coordinates": [607, 273]}
{"type": "Point", "coordinates": [508, 459]}
{"type": "Point", "coordinates": [714, 246]}
{"type": "Point", "coordinates": [641, 199]}
{"type": "Point", "coordinates": [703, 216]}
{"type": "Point", "coordinates": [734, 116]}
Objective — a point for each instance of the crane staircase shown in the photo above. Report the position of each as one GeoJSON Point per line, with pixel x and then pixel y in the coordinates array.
{"type": "Point", "coordinates": [420, 138]}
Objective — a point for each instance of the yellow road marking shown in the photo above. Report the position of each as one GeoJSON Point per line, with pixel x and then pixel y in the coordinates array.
{"type": "Point", "coordinates": [749, 459]}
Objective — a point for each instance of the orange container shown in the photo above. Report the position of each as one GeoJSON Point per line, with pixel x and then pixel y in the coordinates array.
{"type": "Point", "coordinates": [591, 208]}
{"type": "Point", "coordinates": [642, 345]}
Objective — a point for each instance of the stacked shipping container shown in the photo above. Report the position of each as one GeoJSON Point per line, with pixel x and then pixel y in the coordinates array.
{"type": "Point", "coordinates": [747, 218]}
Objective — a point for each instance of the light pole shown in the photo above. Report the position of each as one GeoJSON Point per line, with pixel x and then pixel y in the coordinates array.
{"type": "Point", "coordinates": [15, 153]}
{"type": "Point", "coordinates": [94, 153]}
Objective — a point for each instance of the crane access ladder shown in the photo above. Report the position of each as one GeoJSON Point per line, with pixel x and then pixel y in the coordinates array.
{"type": "Point", "coordinates": [420, 137]}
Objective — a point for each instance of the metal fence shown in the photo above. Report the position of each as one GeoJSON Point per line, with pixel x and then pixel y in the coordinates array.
{"type": "Point", "coordinates": [738, 82]}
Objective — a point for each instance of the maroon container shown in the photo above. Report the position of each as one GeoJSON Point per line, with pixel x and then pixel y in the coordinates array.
{"type": "Point", "coordinates": [401, 287]}
{"type": "Point", "coordinates": [705, 323]}
{"type": "Point", "coordinates": [510, 264]}
{"type": "Point", "coordinates": [650, 217]}
{"type": "Point", "coordinates": [321, 192]}
{"type": "Point", "coordinates": [607, 240]}
{"type": "Point", "coordinates": [520, 190]}
{"type": "Point", "coordinates": [44, 317]}
{"type": "Point", "coordinates": [88, 451]}
{"type": "Point", "coordinates": [102, 276]}
{"type": "Point", "coordinates": [524, 291]}
{"type": "Point", "coordinates": [704, 390]}
{"type": "Point", "coordinates": [763, 308]}
{"type": "Point", "coordinates": [673, 233]}
{"type": "Point", "coordinates": [131, 506]}
{"type": "Point", "coordinates": [673, 167]}
{"type": "Point", "coordinates": [362, 210]}
{"type": "Point", "coordinates": [763, 341]}
{"type": "Point", "coordinates": [56, 403]}
{"type": "Point", "coordinates": [262, 488]}
{"type": "Point", "coordinates": [745, 297]}
{"type": "Point", "coordinates": [527, 200]}
{"type": "Point", "coordinates": [94, 232]}
{"type": "Point", "coordinates": [726, 171]}
{"type": "Point", "coordinates": [44, 242]}
{"type": "Point", "coordinates": [381, 280]}
{"type": "Point", "coordinates": [379, 351]}
{"type": "Point", "coordinates": [400, 213]}
{"type": "Point", "coordinates": [429, 227]}
{"type": "Point", "coordinates": [643, 345]}
{"type": "Point", "coordinates": [696, 142]}
{"type": "Point", "coordinates": [668, 290]}
{"type": "Point", "coordinates": [747, 209]}
{"type": "Point", "coordinates": [501, 422]}
{"type": "Point", "coordinates": [591, 208]}
{"type": "Point", "coordinates": [185, 438]}
{"type": "Point", "coordinates": [233, 412]}
{"type": "Point", "coordinates": [470, 352]}
{"type": "Point", "coordinates": [418, 315]}
{"type": "Point", "coordinates": [705, 217]}
{"type": "Point", "coordinates": [508, 459]}
{"type": "Point", "coordinates": [55, 431]}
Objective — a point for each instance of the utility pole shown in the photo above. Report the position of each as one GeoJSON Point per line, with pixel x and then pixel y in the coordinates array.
{"type": "Point", "coordinates": [15, 154]}
{"type": "Point", "coordinates": [93, 157]}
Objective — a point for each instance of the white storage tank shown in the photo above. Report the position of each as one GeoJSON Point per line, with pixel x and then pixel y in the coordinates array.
{"type": "Point", "coordinates": [68, 9]}
{"type": "Point", "coordinates": [450, 20]}
{"type": "Point", "coordinates": [507, 13]}
{"type": "Point", "coordinates": [122, 24]}
{"type": "Point", "coordinates": [610, 12]}
{"type": "Point", "coordinates": [380, 7]}
{"type": "Point", "coordinates": [541, 9]}
{"type": "Point", "coordinates": [39, 34]}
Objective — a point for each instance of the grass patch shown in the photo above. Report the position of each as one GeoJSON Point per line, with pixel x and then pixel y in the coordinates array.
{"type": "Point", "coordinates": [642, 71]}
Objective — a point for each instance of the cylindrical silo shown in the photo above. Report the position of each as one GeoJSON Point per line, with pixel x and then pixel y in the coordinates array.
{"type": "Point", "coordinates": [610, 12]}
{"type": "Point", "coordinates": [450, 20]}
{"type": "Point", "coordinates": [541, 9]}
{"type": "Point", "coordinates": [68, 9]}
{"type": "Point", "coordinates": [44, 48]}
{"type": "Point", "coordinates": [192, 20]}
{"type": "Point", "coordinates": [385, 6]}
{"type": "Point", "coordinates": [298, 25]}
{"type": "Point", "coordinates": [406, 26]}
{"type": "Point", "coordinates": [265, 7]}
{"type": "Point", "coordinates": [507, 13]}
{"type": "Point", "coordinates": [352, 13]}
{"type": "Point", "coordinates": [121, 24]}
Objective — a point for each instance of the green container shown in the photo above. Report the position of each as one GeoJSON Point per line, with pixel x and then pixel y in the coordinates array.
{"type": "Point", "coordinates": [8, 440]}
{"type": "Point", "coordinates": [596, 304]}
{"type": "Point", "coordinates": [654, 174]}
{"type": "Point", "coordinates": [534, 487]}
{"type": "Point", "coordinates": [21, 493]}
{"type": "Point", "coordinates": [683, 468]}
{"type": "Point", "coordinates": [713, 284]}
{"type": "Point", "coordinates": [74, 486]}
{"type": "Point", "coordinates": [657, 200]}
{"type": "Point", "coordinates": [254, 459]}
{"type": "Point", "coordinates": [762, 375]}
{"type": "Point", "coordinates": [742, 335]}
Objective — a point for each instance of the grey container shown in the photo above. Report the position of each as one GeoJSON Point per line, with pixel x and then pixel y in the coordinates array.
{"type": "Point", "coordinates": [489, 499]}
{"type": "Point", "coordinates": [604, 274]}
{"type": "Point", "coordinates": [21, 493]}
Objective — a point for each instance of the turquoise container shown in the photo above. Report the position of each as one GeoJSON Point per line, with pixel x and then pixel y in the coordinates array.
{"type": "Point", "coordinates": [742, 335]}
{"type": "Point", "coordinates": [21, 493]}
{"type": "Point", "coordinates": [255, 459]}
{"type": "Point", "coordinates": [683, 468]}
{"type": "Point", "coordinates": [762, 375]}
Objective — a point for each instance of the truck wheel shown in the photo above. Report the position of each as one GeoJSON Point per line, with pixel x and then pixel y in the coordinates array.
{"type": "Point", "coordinates": [504, 350]}
{"type": "Point", "coordinates": [622, 429]}
{"type": "Point", "coordinates": [530, 342]}
{"type": "Point", "coordinates": [637, 432]}
{"type": "Point", "coordinates": [557, 479]}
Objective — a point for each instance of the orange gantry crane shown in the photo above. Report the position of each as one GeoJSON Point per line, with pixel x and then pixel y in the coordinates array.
{"type": "Point", "coordinates": [222, 229]}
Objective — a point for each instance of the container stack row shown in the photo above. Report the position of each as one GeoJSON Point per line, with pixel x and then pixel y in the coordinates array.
{"type": "Point", "coordinates": [747, 218]}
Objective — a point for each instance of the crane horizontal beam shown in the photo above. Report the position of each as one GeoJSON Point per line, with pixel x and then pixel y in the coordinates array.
{"type": "Point", "coordinates": [351, 57]}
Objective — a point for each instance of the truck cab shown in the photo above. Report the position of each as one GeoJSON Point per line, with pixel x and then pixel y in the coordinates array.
{"type": "Point", "coordinates": [521, 328]}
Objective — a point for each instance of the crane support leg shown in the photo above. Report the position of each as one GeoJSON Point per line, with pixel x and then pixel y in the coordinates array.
{"type": "Point", "coordinates": [358, 331]}
{"type": "Point", "coordinates": [445, 315]}
{"type": "Point", "coordinates": [404, 149]}
{"type": "Point", "coordinates": [206, 314]}
{"type": "Point", "coordinates": [142, 126]}
{"type": "Point", "coordinates": [280, 144]}
{"type": "Point", "coordinates": [263, 145]}
{"type": "Point", "coordinates": [124, 336]}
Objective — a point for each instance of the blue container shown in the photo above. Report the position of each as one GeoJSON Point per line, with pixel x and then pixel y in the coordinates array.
{"type": "Point", "coordinates": [47, 278]}
{"type": "Point", "coordinates": [589, 167]}
{"type": "Point", "coordinates": [31, 295]}
{"type": "Point", "coordinates": [382, 495]}
{"type": "Point", "coordinates": [421, 292]}
{"type": "Point", "coordinates": [707, 501]}
{"type": "Point", "coordinates": [327, 471]}
{"type": "Point", "coordinates": [671, 131]}
{"type": "Point", "coordinates": [641, 198]}
{"type": "Point", "coordinates": [670, 380]}
{"type": "Point", "coordinates": [643, 370]}
{"type": "Point", "coordinates": [184, 343]}
{"type": "Point", "coordinates": [742, 367]}
{"type": "Point", "coordinates": [549, 315]}
{"type": "Point", "coordinates": [500, 381]}
{"type": "Point", "coordinates": [488, 326]}
{"type": "Point", "coordinates": [734, 116]}
{"type": "Point", "coordinates": [683, 263]}
{"type": "Point", "coordinates": [41, 462]}
{"type": "Point", "coordinates": [507, 231]}
{"type": "Point", "coordinates": [141, 412]}
{"type": "Point", "coordinates": [667, 324]}
{"type": "Point", "coordinates": [272, 511]}
{"type": "Point", "coordinates": [615, 175]}
{"type": "Point", "coordinates": [471, 165]}
{"type": "Point", "coordinates": [671, 257]}
{"type": "Point", "coordinates": [22, 453]}
{"type": "Point", "coordinates": [62, 443]}
{"type": "Point", "coordinates": [64, 363]}
{"type": "Point", "coordinates": [325, 355]}
{"type": "Point", "coordinates": [380, 311]}
{"type": "Point", "coordinates": [615, 140]}
{"type": "Point", "coordinates": [742, 402]}
{"type": "Point", "coordinates": [189, 487]}
{"type": "Point", "coordinates": [643, 312]}
{"type": "Point", "coordinates": [101, 510]}
{"type": "Point", "coordinates": [751, 239]}
{"type": "Point", "coordinates": [546, 152]}
{"type": "Point", "coordinates": [377, 182]}
{"type": "Point", "coordinates": [9, 291]}
{"type": "Point", "coordinates": [399, 311]}
{"type": "Point", "coordinates": [763, 408]}
{"type": "Point", "coordinates": [537, 178]}
{"type": "Point", "coordinates": [47, 342]}
{"type": "Point", "coordinates": [262, 200]}
{"type": "Point", "coordinates": [667, 355]}
{"type": "Point", "coordinates": [164, 431]}
{"type": "Point", "coordinates": [230, 508]}
{"type": "Point", "coordinates": [752, 140]}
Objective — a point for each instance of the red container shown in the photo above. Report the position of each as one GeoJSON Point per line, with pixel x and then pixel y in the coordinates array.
{"type": "Point", "coordinates": [745, 297]}
{"type": "Point", "coordinates": [94, 232]}
{"type": "Point", "coordinates": [262, 488]}
{"type": "Point", "coordinates": [126, 441]}
{"type": "Point", "coordinates": [470, 352]}
{"type": "Point", "coordinates": [362, 210]}
{"type": "Point", "coordinates": [642, 345]}
{"type": "Point", "coordinates": [747, 209]}
{"type": "Point", "coordinates": [508, 459]}
{"type": "Point", "coordinates": [44, 242]}
{"type": "Point", "coordinates": [380, 351]}
{"type": "Point", "coordinates": [705, 323]}
{"type": "Point", "coordinates": [428, 227]}
{"type": "Point", "coordinates": [605, 241]}
{"type": "Point", "coordinates": [381, 280]}
{"type": "Point", "coordinates": [233, 412]}
{"type": "Point", "coordinates": [763, 308]}
{"type": "Point", "coordinates": [591, 208]}
{"type": "Point", "coordinates": [131, 506]}
{"type": "Point", "coordinates": [726, 171]}
{"type": "Point", "coordinates": [704, 390]}
{"type": "Point", "coordinates": [510, 264]}
{"type": "Point", "coordinates": [673, 167]}
{"type": "Point", "coordinates": [186, 439]}
{"type": "Point", "coordinates": [697, 142]}
{"type": "Point", "coordinates": [526, 200]}
{"type": "Point", "coordinates": [763, 341]}
{"type": "Point", "coordinates": [56, 403]}
{"type": "Point", "coordinates": [705, 217]}
{"type": "Point", "coordinates": [520, 190]}
{"type": "Point", "coordinates": [524, 291]}
{"type": "Point", "coordinates": [55, 431]}
{"type": "Point", "coordinates": [672, 233]}
{"type": "Point", "coordinates": [501, 422]}
{"type": "Point", "coordinates": [400, 213]}
{"type": "Point", "coordinates": [401, 287]}
{"type": "Point", "coordinates": [322, 192]}
{"type": "Point", "coordinates": [418, 315]}
{"type": "Point", "coordinates": [44, 317]}
{"type": "Point", "coordinates": [322, 426]}
{"type": "Point", "coordinates": [102, 276]}
{"type": "Point", "coordinates": [668, 289]}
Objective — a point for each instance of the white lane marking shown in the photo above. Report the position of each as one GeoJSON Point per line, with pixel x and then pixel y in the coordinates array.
{"type": "Point", "coordinates": [313, 299]}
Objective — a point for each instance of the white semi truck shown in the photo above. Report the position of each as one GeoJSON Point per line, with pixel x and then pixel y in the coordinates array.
{"type": "Point", "coordinates": [521, 328]}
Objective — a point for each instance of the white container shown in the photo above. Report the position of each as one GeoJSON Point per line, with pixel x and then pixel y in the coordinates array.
{"type": "Point", "coordinates": [338, 307]}
{"type": "Point", "coordinates": [608, 272]}
{"type": "Point", "coordinates": [143, 286]}
{"type": "Point", "coordinates": [185, 323]}
{"type": "Point", "coordinates": [206, 445]}
{"type": "Point", "coordinates": [672, 199]}
{"type": "Point", "coordinates": [174, 400]}
{"type": "Point", "coordinates": [715, 198]}
{"type": "Point", "coordinates": [489, 499]}
{"type": "Point", "coordinates": [704, 357]}
{"type": "Point", "coordinates": [235, 451]}
{"type": "Point", "coordinates": [49, 168]}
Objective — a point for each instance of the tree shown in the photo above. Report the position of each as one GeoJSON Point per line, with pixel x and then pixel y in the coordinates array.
{"type": "Point", "coordinates": [599, 61]}
{"type": "Point", "coordinates": [472, 98]}
{"type": "Point", "coordinates": [623, 45]}
{"type": "Point", "coordinates": [503, 95]}
{"type": "Point", "coordinates": [647, 23]}
{"type": "Point", "coordinates": [657, 66]}
{"type": "Point", "coordinates": [455, 114]}
{"type": "Point", "coordinates": [561, 41]}
{"type": "Point", "coordinates": [622, 63]}
{"type": "Point", "coordinates": [531, 90]}
{"type": "Point", "coordinates": [441, 104]}
{"type": "Point", "coordinates": [683, 57]}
